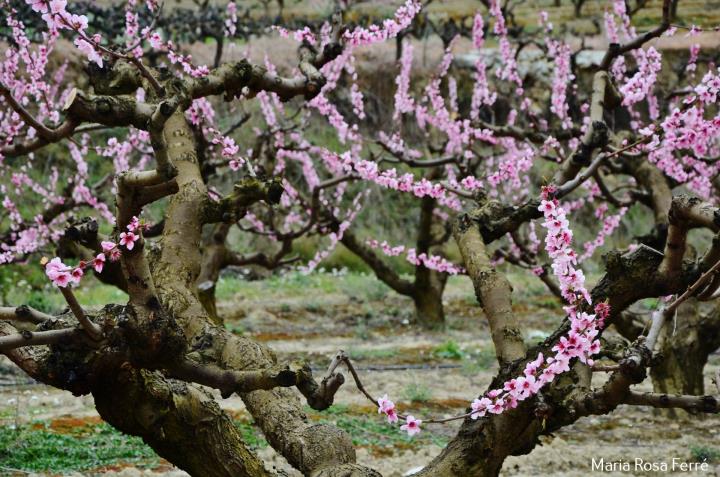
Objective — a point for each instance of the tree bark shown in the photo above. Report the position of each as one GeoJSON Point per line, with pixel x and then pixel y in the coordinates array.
{"type": "Point", "coordinates": [182, 423]}
{"type": "Point", "coordinates": [428, 299]}
{"type": "Point", "coordinates": [214, 258]}
{"type": "Point", "coordinates": [429, 285]}
{"type": "Point", "coordinates": [685, 346]}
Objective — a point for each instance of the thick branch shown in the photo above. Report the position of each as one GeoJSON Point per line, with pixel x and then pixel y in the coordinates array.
{"type": "Point", "coordinates": [493, 292]}
{"type": "Point", "coordinates": [23, 313]}
{"type": "Point", "coordinates": [37, 338]}
{"type": "Point", "coordinates": [707, 404]}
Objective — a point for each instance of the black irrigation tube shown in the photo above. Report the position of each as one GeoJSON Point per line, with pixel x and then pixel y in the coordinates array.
{"type": "Point", "coordinates": [400, 367]}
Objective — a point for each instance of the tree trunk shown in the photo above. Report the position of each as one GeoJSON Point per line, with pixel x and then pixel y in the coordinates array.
{"type": "Point", "coordinates": [182, 423]}
{"type": "Point", "coordinates": [429, 284]}
{"type": "Point", "coordinates": [429, 310]}
{"type": "Point", "coordinates": [213, 260]}
{"type": "Point", "coordinates": [578, 4]}
{"type": "Point", "coordinates": [686, 344]}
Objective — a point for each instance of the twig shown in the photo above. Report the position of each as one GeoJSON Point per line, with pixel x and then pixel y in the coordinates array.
{"type": "Point", "coordinates": [90, 328]}
{"type": "Point", "coordinates": [36, 338]}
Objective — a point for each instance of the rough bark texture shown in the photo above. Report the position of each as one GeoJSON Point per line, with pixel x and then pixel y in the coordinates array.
{"type": "Point", "coordinates": [213, 260]}
{"type": "Point", "coordinates": [429, 309]}
{"type": "Point", "coordinates": [685, 345]}
{"type": "Point", "coordinates": [182, 423]}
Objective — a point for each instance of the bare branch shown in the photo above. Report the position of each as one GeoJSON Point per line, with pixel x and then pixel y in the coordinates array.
{"type": "Point", "coordinates": [708, 404]}
{"type": "Point", "coordinates": [37, 338]}
{"type": "Point", "coordinates": [23, 313]}
{"type": "Point", "coordinates": [92, 329]}
{"type": "Point", "coordinates": [229, 381]}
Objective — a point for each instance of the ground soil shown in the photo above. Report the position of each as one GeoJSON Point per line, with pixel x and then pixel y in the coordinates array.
{"type": "Point", "coordinates": [395, 357]}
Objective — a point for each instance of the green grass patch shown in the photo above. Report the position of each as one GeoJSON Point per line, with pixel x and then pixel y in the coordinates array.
{"type": "Point", "coordinates": [294, 284]}
{"type": "Point", "coordinates": [38, 448]}
{"type": "Point", "coordinates": [372, 354]}
{"type": "Point", "coordinates": [449, 350]}
{"type": "Point", "coordinates": [417, 392]}
{"type": "Point", "coordinates": [252, 436]}
{"type": "Point", "coordinates": [372, 430]}
{"type": "Point", "coordinates": [707, 454]}
{"type": "Point", "coordinates": [70, 447]}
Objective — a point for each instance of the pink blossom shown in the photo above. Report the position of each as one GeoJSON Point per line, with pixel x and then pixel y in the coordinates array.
{"type": "Point", "coordinates": [58, 272]}
{"type": "Point", "coordinates": [57, 6]}
{"type": "Point", "coordinates": [78, 22]}
{"type": "Point", "coordinates": [89, 50]}
{"type": "Point", "coordinates": [99, 262]}
{"type": "Point", "coordinates": [134, 224]}
{"type": "Point", "coordinates": [155, 40]}
{"type": "Point", "coordinates": [387, 407]}
{"type": "Point", "coordinates": [76, 275]}
{"type": "Point", "coordinates": [411, 426]}
{"type": "Point", "coordinates": [128, 239]}
{"type": "Point", "coordinates": [39, 6]}
{"type": "Point", "coordinates": [115, 255]}
{"type": "Point", "coordinates": [480, 406]}
{"type": "Point", "coordinates": [384, 404]}
{"type": "Point", "coordinates": [390, 28]}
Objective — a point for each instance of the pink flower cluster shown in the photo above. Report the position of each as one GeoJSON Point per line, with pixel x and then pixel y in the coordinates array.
{"type": "Point", "coordinates": [231, 19]}
{"type": "Point", "coordinates": [433, 262]}
{"type": "Point", "coordinates": [580, 342]}
{"type": "Point", "coordinates": [610, 223]}
{"type": "Point", "coordinates": [390, 28]}
{"type": "Point", "coordinates": [128, 239]}
{"type": "Point", "coordinates": [304, 35]}
{"type": "Point", "coordinates": [335, 237]}
{"type": "Point", "coordinates": [387, 407]}
{"type": "Point", "coordinates": [562, 78]}
{"type": "Point", "coordinates": [404, 103]}
{"type": "Point", "coordinates": [685, 137]}
{"type": "Point", "coordinates": [370, 171]}
{"type": "Point", "coordinates": [508, 71]}
{"type": "Point", "coordinates": [481, 89]}
{"type": "Point", "coordinates": [708, 90]}
{"type": "Point", "coordinates": [62, 275]}
{"type": "Point", "coordinates": [58, 18]}
{"type": "Point", "coordinates": [641, 84]}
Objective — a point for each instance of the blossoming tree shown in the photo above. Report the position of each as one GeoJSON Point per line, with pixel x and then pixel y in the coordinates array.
{"type": "Point", "coordinates": [143, 360]}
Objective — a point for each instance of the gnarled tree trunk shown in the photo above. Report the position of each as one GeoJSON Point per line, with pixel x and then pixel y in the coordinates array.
{"type": "Point", "coordinates": [685, 345]}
